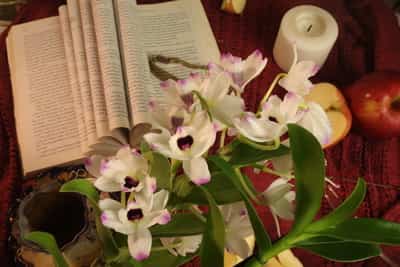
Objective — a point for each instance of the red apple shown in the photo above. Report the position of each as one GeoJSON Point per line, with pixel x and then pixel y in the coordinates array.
{"type": "Point", "coordinates": [375, 103]}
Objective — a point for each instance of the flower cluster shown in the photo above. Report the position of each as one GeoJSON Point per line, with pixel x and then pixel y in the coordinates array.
{"type": "Point", "coordinates": [185, 125]}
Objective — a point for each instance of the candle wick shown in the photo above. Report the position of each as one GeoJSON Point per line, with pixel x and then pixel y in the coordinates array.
{"type": "Point", "coordinates": [309, 28]}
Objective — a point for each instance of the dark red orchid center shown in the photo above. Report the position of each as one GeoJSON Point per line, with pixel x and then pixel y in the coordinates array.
{"type": "Point", "coordinates": [130, 182]}
{"type": "Point", "coordinates": [185, 142]}
{"type": "Point", "coordinates": [134, 214]}
{"type": "Point", "coordinates": [176, 122]}
{"type": "Point", "coordinates": [187, 99]}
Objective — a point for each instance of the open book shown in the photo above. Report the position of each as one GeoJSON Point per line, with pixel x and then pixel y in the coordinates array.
{"type": "Point", "coordinates": [82, 79]}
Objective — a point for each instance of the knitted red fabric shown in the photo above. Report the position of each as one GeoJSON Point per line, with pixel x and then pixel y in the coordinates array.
{"type": "Point", "coordinates": [369, 40]}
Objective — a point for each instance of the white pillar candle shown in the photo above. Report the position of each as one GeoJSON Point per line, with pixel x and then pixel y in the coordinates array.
{"type": "Point", "coordinates": [311, 29]}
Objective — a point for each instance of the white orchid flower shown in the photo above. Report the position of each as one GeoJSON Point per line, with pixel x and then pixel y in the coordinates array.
{"type": "Point", "coordinates": [223, 106]}
{"type": "Point", "coordinates": [179, 93]}
{"type": "Point", "coordinates": [188, 143]}
{"type": "Point", "coordinates": [316, 121]}
{"type": "Point", "coordinates": [237, 229]}
{"type": "Point", "coordinates": [290, 110]}
{"type": "Point", "coordinates": [135, 220]}
{"type": "Point", "coordinates": [182, 245]}
{"type": "Point", "coordinates": [297, 80]}
{"type": "Point", "coordinates": [273, 119]}
{"type": "Point", "coordinates": [279, 197]}
{"type": "Point", "coordinates": [127, 172]}
{"type": "Point", "coordinates": [241, 71]}
{"type": "Point", "coordinates": [256, 128]}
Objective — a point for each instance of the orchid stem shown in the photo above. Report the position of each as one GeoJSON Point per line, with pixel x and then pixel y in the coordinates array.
{"type": "Point", "coordinates": [222, 139]}
{"type": "Point", "coordinates": [280, 174]}
{"type": "Point", "coordinates": [123, 199]}
{"type": "Point", "coordinates": [270, 89]}
{"type": "Point", "coordinates": [197, 214]}
{"type": "Point", "coordinates": [162, 248]}
{"type": "Point", "coordinates": [246, 188]}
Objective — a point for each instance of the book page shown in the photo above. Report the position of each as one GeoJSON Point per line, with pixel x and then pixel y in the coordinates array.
{"type": "Point", "coordinates": [82, 70]}
{"type": "Point", "coordinates": [177, 29]}
{"type": "Point", "coordinates": [134, 59]}
{"type": "Point", "coordinates": [69, 55]}
{"type": "Point", "coordinates": [110, 63]}
{"type": "Point", "coordinates": [93, 63]}
{"type": "Point", "coordinates": [45, 118]}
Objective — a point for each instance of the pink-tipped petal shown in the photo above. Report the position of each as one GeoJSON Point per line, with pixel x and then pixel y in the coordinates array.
{"type": "Point", "coordinates": [139, 244]}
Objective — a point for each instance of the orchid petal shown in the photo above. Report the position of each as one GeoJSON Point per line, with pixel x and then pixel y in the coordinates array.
{"type": "Point", "coordinates": [159, 142]}
{"type": "Point", "coordinates": [237, 245]}
{"type": "Point", "coordinates": [257, 129]}
{"type": "Point", "coordinates": [107, 184]}
{"type": "Point", "coordinates": [109, 204]}
{"type": "Point", "coordinates": [297, 79]}
{"type": "Point", "coordinates": [284, 209]}
{"type": "Point", "coordinates": [216, 87]}
{"type": "Point", "coordinates": [197, 170]}
{"type": "Point", "coordinates": [132, 159]}
{"type": "Point", "coordinates": [160, 199]}
{"type": "Point", "coordinates": [92, 165]}
{"type": "Point", "coordinates": [139, 244]}
{"type": "Point", "coordinates": [316, 121]}
{"type": "Point", "coordinates": [228, 108]}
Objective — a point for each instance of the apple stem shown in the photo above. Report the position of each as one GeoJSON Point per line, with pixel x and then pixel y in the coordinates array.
{"type": "Point", "coordinates": [395, 105]}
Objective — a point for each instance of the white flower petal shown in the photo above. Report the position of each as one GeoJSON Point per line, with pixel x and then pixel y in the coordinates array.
{"type": "Point", "coordinates": [257, 129]}
{"type": "Point", "coordinates": [160, 200]}
{"type": "Point", "coordinates": [277, 190]}
{"type": "Point", "coordinates": [237, 245]}
{"type": "Point", "coordinates": [92, 165]}
{"type": "Point", "coordinates": [296, 80]}
{"type": "Point", "coordinates": [228, 108]}
{"type": "Point", "coordinates": [189, 244]}
{"type": "Point", "coordinates": [132, 159]}
{"type": "Point", "coordinates": [253, 66]}
{"type": "Point", "coordinates": [243, 71]}
{"type": "Point", "coordinates": [107, 184]}
{"type": "Point", "coordinates": [216, 87]}
{"type": "Point", "coordinates": [284, 209]}
{"type": "Point", "coordinates": [139, 244]}
{"type": "Point", "coordinates": [109, 204]}
{"type": "Point", "coordinates": [197, 170]}
{"type": "Point", "coordinates": [316, 121]}
{"type": "Point", "coordinates": [159, 142]}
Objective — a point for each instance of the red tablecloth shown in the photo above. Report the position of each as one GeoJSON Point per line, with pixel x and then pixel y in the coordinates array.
{"type": "Point", "coordinates": [369, 40]}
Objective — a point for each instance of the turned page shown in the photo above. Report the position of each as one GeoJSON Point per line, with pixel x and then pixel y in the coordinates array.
{"type": "Point", "coordinates": [92, 57]}
{"type": "Point", "coordinates": [82, 70]}
{"type": "Point", "coordinates": [177, 29]}
{"type": "Point", "coordinates": [45, 118]}
{"type": "Point", "coordinates": [110, 63]}
{"type": "Point", "coordinates": [73, 79]}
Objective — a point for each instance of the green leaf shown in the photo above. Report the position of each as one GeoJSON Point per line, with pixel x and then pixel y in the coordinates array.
{"type": "Point", "coordinates": [344, 251]}
{"type": "Point", "coordinates": [263, 242]}
{"type": "Point", "coordinates": [161, 170]}
{"type": "Point", "coordinates": [344, 211]}
{"type": "Point", "coordinates": [47, 242]}
{"type": "Point", "coordinates": [213, 242]}
{"type": "Point", "coordinates": [309, 169]}
{"type": "Point", "coordinates": [365, 230]}
{"type": "Point", "coordinates": [83, 187]}
{"type": "Point", "coordinates": [110, 247]}
{"type": "Point", "coordinates": [221, 189]}
{"type": "Point", "coordinates": [182, 224]}
{"type": "Point", "coordinates": [243, 154]}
